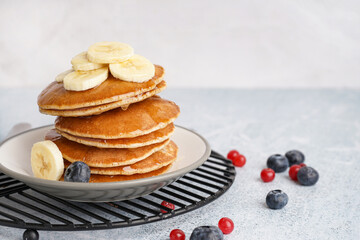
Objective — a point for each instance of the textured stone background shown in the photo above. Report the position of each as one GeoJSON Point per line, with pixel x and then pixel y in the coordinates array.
{"type": "Point", "coordinates": [324, 124]}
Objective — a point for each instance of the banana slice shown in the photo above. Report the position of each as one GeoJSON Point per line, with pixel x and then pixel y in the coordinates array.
{"type": "Point", "coordinates": [81, 63]}
{"type": "Point", "coordinates": [83, 80]}
{"type": "Point", "coordinates": [136, 69]}
{"type": "Point", "coordinates": [60, 77]}
{"type": "Point", "coordinates": [109, 52]}
{"type": "Point", "coordinates": [47, 161]}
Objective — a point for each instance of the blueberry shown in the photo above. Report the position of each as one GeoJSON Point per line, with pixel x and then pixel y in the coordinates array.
{"type": "Point", "coordinates": [276, 199]}
{"type": "Point", "coordinates": [207, 233]}
{"type": "Point", "coordinates": [278, 163]}
{"type": "Point", "coordinates": [77, 172]}
{"type": "Point", "coordinates": [307, 176]}
{"type": "Point", "coordinates": [295, 157]}
{"type": "Point", "coordinates": [31, 234]}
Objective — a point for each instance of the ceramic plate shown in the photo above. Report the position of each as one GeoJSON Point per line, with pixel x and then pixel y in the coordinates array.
{"type": "Point", "coordinates": [15, 162]}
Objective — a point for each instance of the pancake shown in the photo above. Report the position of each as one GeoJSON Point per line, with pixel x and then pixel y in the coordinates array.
{"type": "Point", "coordinates": [102, 157]}
{"type": "Point", "coordinates": [157, 160]}
{"type": "Point", "coordinates": [96, 178]}
{"type": "Point", "coordinates": [95, 110]}
{"type": "Point", "coordinates": [139, 119]}
{"type": "Point", "coordinates": [135, 142]}
{"type": "Point", "coordinates": [55, 96]}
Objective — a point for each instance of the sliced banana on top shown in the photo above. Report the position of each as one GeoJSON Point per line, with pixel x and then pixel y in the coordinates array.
{"type": "Point", "coordinates": [84, 80]}
{"type": "Point", "coordinates": [81, 63]}
{"type": "Point", "coordinates": [47, 161]}
{"type": "Point", "coordinates": [135, 69]}
{"type": "Point", "coordinates": [109, 52]}
{"type": "Point", "coordinates": [60, 77]}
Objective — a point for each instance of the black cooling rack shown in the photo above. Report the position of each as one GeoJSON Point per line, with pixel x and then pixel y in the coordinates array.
{"type": "Point", "coordinates": [23, 207]}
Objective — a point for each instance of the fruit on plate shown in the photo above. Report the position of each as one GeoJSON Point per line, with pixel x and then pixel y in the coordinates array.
{"type": "Point", "coordinates": [278, 163]}
{"type": "Point", "coordinates": [81, 63]}
{"type": "Point", "coordinates": [109, 52]}
{"type": "Point", "coordinates": [135, 69]}
{"type": "Point", "coordinates": [207, 233]}
{"type": "Point", "coordinates": [295, 157]}
{"type": "Point", "coordinates": [83, 80]}
{"type": "Point", "coordinates": [77, 172]}
{"type": "Point", "coordinates": [60, 78]}
{"type": "Point", "coordinates": [307, 176]}
{"type": "Point", "coordinates": [46, 160]}
{"type": "Point", "coordinates": [276, 199]}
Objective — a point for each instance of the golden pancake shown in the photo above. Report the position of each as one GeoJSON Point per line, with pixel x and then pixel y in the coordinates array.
{"type": "Point", "coordinates": [139, 119]}
{"type": "Point", "coordinates": [101, 157]}
{"type": "Point", "coordinates": [157, 160]}
{"type": "Point", "coordinates": [95, 110]}
{"type": "Point", "coordinates": [96, 178]}
{"type": "Point", "coordinates": [135, 142]}
{"type": "Point", "coordinates": [55, 96]}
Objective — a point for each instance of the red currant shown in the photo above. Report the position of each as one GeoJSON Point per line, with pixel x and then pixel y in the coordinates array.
{"type": "Point", "coordinates": [267, 174]}
{"type": "Point", "coordinates": [293, 172]}
{"type": "Point", "coordinates": [226, 225]}
{"type": "Point", "coordinates": [177, 234]}
{"type": "Point", "coordinates": [168, 205]}
{"type": "Point", "coordinates": [233, 154]}
{"type": "Point", "coordinates": [238, 159]}
{"type": "Point", "coordinates": [302, 165]}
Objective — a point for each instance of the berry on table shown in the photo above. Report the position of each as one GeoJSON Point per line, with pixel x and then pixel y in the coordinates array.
{"type": "Point", "coordinates": [293, 172]}
{"type": "Point", "coordinates": [168, 205]}
{"type": "Point", "coordinates": [267, 175]}
{"type": "Point", "coordinates": [295, 157]}
{"type": "Point", "coordinates": [302, 165]}
{"type": "Point", "coordinates": [237, 159]}
{"type": "Point", "coordinates": [77, 172]}
{"type": "Point", "coordinates": [177, 234]}
{"type": "Point", "coordinates": [276, 199]}
{"type": "Point", "coordinates": [278, 163]}
{"type": "Point", "coordinates": [226, 225]}
{"type": "Point", "coordinates": [207, 233]}
{"type": "Point", "coordinates": [307, 176]}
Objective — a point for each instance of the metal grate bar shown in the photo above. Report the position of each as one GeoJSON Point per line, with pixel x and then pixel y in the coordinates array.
{"type": "Point", "coordinates": [66, 203]}
{"type": "Point", "coordinates": [125, 209]}
{"type": "Point", "coordinates": [15, 219]}
{"type": "Point", "coordinates": [127, 219]}
{"type": "Point", "coordinates": [186, 192]}
{"type": "Point", "coordinates": [5, 179]}
{"type": "Point", "coordinates": [220, 157]}
{"type": "Point", "coordinates": [218, 163]}
{"type": "Point", "coordinates": [14, 189]}
{"type": "Point", "coordinates": [195, 187]}
{"type": "Point", "coordinates": [134, 204]}
{"type": "Point", "coordinates": [42, 211]}
{"type": "Point", "coordinates": [24, 213]}
{"type": "Point", "coordinates": [216, 169]}
{"type": "Point", "coordinates": [213, 174]}
{"type": "Point", "coordinates": [5, 184]}
{"type": "Point", "coordinates": [35, 199]}
{"type": "Point", "coordinates": [209, 178]}
{"type": "Point", "coordinates": [178, 196]}
{"type": "Point", "coordinates": [168, 200]}
{"type": "Point", "coordinates": [152, 203]}
{"type": "Point", "coordinates": [202, 182]}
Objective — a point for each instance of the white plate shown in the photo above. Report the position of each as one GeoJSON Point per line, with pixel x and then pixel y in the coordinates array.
{"type": "Point", "coordinates": [15, 162]}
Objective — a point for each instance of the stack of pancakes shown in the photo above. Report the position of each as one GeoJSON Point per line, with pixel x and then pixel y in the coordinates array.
{"type": "Point", "coordinates": [120, 129]}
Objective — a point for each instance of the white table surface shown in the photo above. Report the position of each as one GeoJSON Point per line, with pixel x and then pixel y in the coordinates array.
{"type": "Point", "coordinates": [324, 124]}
